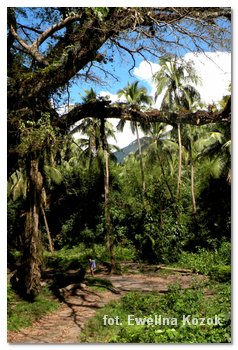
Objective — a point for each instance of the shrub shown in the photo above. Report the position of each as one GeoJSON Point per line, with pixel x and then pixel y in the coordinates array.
{"type": "Point", "coordinates": [176, 303]}
{"type": "Point", "coordinates": [213, 263]}
{"type": "Point", "coordinates": [220, 273]}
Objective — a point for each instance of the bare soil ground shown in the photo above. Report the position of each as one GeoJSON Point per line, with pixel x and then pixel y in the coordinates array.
{"type": "Point", "coordinates": [64, 325]}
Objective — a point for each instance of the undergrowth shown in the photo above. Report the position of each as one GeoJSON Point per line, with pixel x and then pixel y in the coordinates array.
{"type": "Point", "coordinates": [176, 304]}
{"type": "Point", "coordinates": [216, 264]}
{"type": "Point", "coordinates": [22, 314]}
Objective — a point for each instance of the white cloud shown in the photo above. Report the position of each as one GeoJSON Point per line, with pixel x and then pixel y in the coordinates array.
{"type": "Point", "coordinates": [145, 70]}
{"type": "Point", "coordinates": [214, 69]}
{"type": "Point", "coordinates": [112, 97]}
{"type": "Point", "coordinates": [122, 138]}
{"type": "Point", "coordinates": [125, 137]}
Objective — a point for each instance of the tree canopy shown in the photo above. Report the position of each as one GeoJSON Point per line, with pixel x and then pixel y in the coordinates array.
{"type": "Point", "coordinates": [48, 48]}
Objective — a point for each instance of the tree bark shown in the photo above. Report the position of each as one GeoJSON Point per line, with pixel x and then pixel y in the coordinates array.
{"type": "Point", "coordinates": [192, 182]}
{"type": "Point", "coordinates": [165, 178]}
{"type": "Point", "coordinates": [109, 231]}
{"type": "Point", "coordinates": [141, 162]}
{"type": "Point", "coordinates": [27, 281]}
{"type": "Point", "coordinates": [192, 190]}
{"type": "Point", "coordinates": [109, 110]}
{"type": "Point", "coordinates": [47, 230]}
{"type": "Point", "coordinates": [179, 164]}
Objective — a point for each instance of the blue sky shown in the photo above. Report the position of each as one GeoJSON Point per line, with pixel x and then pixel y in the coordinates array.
{"type": "Point", "coordinates": [119, 66]}
{"type": "Point", "coordinates": [214, 68]}
{"type": "Point", "coordinates": [210, 67]}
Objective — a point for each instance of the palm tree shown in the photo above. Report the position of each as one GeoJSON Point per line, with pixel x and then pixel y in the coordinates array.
{"type": "Point", "coordinates": [193, 139]}
{"type": "Point", "coordinates": [37, 138]}
{"type": "Point", "coordinates": [160, 148]}
{"type": "Point", "coordinates": [18, 183]}
{"type": "Point", "coordinates": [90, 127]}
{"type": "Point", "coordinates": [137, 97]}
{"type": "Point", "coordinates": [175, 78]}
{"type": "Point", "coordinates": [216, 147]}
{"type": "Point", "coordinates": [98, 131]}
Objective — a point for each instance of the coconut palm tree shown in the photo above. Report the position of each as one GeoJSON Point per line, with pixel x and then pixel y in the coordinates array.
{"type": "Point", "coordinates": [216, 147]}
{"type": "Point", "coordinates": [91, 140]}
{"type": "Point", "coordinates": [174, 79]}
{"type": "Point", "coordinates": [161, 148]}
{"type": "Point", "coordinates": [137, 97]}
{"type": "Point", "coordinates": [17, 185]}
{"type": "Point", "coordinates": [98, 132]}
{"type": "Point", "coordinates": [36, 139]}
{"type": "Point", "coordinates": [192, 142]}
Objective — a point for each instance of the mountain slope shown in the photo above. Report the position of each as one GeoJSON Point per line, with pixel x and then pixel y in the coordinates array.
{"type": "Point", "coordinates": [131, 148]}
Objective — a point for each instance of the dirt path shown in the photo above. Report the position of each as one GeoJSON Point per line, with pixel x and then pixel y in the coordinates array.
{"type": "Point", "coordinates": [64, 325]}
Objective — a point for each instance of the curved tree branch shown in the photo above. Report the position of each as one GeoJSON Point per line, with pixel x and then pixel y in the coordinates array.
{"type": "Point", "coordinates": [125, 112]}
{"type": "Point", "coordinates": [32, 50]}
{"type": "Point", "coordinates": [48, 32]}
{"type": "Point", "coordinates": [63, 64]}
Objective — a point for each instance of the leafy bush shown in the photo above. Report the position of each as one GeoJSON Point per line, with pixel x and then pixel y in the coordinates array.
{"type": "Point", "coordinates": [77, 256]}
{"type": "Point", "coordinates": [174, 305]}
{"type": "Point", "coordinates": [157, 241]}
{"type": "Point", "coordinates": [212, 263]}
{"type": "Point", "coordinates": [125, 253]}
{"type": "Point", "coordinates": [221, 273]}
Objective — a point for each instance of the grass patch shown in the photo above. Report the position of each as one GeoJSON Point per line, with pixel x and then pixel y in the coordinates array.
{"type": "Point", "coordinates": [216, 264]}
{"type": "Point", "coordinates": [22, 314]}
{"type": "Point", "coordinates": [78, 256]}
{"type": "Point", "coordinates": [173, 305]}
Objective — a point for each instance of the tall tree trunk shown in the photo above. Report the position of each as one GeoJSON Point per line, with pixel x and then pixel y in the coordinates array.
{"type": "Point", "coordinates": [179, 164]}
{"type": "Point", "coordinates": [109, 231]}
{"type": "Point", "coordinates": [192, 190]}
{"type": "Point", "coordinates": [141, 161]}
{"type": "Point", "coordinates": [47, 230]}
{"type": "Point", "coordinates": [192, 181]}
{"type": "Point", "coordinates": [165, 178]}
{"type": "Point", "coordinates": [168, 186]}
{"type": "Point", "coordinates": [27, 278]}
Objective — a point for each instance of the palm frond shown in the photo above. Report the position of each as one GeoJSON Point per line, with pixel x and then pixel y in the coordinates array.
{"type": "Point", "coordinates": [53, 174]}
{"type": "Point", "coordinates": [227, 146]}
{"type": "Point", "coordinates": [18, 185]}
{"type": "Point", "coordinates": [120, 125]}
{"type": "Point", "coordinates": [216, 167]}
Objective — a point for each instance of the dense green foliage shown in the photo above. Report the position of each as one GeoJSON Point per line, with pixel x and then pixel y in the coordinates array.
{"type": "Point", "coordinates": [208, 299]}
{"type": "Point", "coordinates": [173, 305]}
{"type": "Point", "coordinates": [216, 264]}
{"type": "Point", "coordinates": [77, 256]}
{"type": "Point", "coordinates": [155, 224]}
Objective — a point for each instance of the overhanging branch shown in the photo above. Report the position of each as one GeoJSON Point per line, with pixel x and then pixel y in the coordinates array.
{"type": "Point", "coordinates": [123, 111]}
